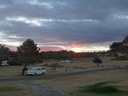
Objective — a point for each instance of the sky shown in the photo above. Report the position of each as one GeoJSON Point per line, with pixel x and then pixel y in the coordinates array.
{"type": "Point", "coordinates": [77, 25]}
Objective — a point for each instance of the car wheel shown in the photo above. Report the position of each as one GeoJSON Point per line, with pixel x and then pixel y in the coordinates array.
{"type": "Point", "coordinates": [35, 74]}
{"type": "Point", "coordinates": [43, 73]}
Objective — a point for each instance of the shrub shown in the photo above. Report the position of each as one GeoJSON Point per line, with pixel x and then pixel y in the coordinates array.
{"type": "Point", "coordinates": [56, 65]}
{"type": "Point", "coordinates": [121, 58]}
{"type": "Point", "coordinates": [97, 61]}
{"type": "Point", "coordinates": [46, 65]}
{"type": "Point", "coordinates": [15, 61]}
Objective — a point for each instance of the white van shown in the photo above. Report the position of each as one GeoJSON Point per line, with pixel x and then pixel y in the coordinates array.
{"type": "Point", "coordinates": [66, 61]}
{"type": "Point", "coordinates": [4, 63]}
{"type": "Point", "coordinates": [35, 71]}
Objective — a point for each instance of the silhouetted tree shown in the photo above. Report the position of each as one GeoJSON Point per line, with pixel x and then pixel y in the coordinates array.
{"type": "Point", "coordinates": [97, 60]}
{"type": "Point", "coordinates": [62, 54]}
{"type": "Point", "coordinates": [28, 52]}
{"type": "Point", "coordinates": [120, 46]}
{"type": "Point", "coordinates": [4, 53]}
{"type": "Point", "coordinates": [115, 46]}
{"type": "Point", "coordinates": [125, 44]}
{"type": "Point", "coordinates": [125, 40]}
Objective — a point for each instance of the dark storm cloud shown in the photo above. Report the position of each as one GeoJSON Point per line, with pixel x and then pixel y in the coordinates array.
{"type": "Point", "coordinates": [64, 21]}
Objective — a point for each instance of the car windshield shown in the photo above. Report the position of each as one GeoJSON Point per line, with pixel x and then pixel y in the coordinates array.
{"type": "Point", "coordinates": [43, 68]}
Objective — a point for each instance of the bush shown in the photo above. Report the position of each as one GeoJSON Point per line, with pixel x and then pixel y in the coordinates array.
{"type": "Point", "coordinates": [15, 61]}
{"type": "Point", "coordinates": [121, 58]}
{"type": "Point", "coordinates": [56, 65]}
{"type": "Point", "coordinates": [46, 65]}
{"type": "Point", "coordinates": [97, 60]}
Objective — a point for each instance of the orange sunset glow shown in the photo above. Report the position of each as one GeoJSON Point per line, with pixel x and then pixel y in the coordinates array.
{"type": "Point", "coordinates": [77, 49]}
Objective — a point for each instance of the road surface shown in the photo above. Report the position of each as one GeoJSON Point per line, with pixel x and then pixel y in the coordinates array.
{"type": "Point", "coordinates": [23, 78]}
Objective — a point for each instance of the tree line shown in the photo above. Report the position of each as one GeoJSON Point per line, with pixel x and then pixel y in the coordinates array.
{"type": "Point", "coordinates": [29, 53]}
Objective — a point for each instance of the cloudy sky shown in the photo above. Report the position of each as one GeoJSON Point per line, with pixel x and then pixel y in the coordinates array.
{"type": "Point", "coordinates": [78, 25]}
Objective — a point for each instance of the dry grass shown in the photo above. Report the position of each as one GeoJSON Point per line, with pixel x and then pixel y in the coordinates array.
{"type": "Point", "coordinates": [67, 84]}
{"type": "Point", "coordinates": [77, 65]}
{"type": "Point", "coordinates": [85, 64]}
{"type": "Point", "coordinates": [12, 89]}
{"type": "Point", "coordinates": [10, 71]}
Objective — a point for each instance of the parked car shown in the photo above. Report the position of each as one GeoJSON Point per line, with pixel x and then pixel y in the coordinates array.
{"type": "Point", "coordinates": [5, 63]}
{"type": "Point", "coordinates": [66, 61]}
{"type": "Point", "coordinates": [36, 71]}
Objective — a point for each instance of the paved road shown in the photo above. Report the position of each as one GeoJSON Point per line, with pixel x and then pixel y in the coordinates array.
{"type": "Point", "coordinates": [23, 78]}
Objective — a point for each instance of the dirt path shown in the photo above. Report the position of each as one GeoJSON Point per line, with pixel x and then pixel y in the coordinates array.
{"type": "Point", "coordinates": [42, 90]}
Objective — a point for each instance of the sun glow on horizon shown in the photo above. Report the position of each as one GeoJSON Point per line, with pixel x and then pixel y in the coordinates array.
{"type": "Point", "coordinates": [90, 49]}
{"type": "Point", "coordinates": [77, 49]}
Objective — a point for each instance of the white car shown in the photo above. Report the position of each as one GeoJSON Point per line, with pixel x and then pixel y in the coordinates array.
{"type": "Point", "coordinates": [36, 71]}
{"type": "Point", "coordinates": [66, 61]}
{"type": "Point", "coordinates": [4, 63]}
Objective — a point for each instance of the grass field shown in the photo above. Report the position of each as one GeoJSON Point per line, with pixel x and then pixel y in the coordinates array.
{"type": "Point", "coordinates": [77, 65]}
{"type": "Point", "coordinates": [13, 89]}
{"type": "Point", "coordinates": [70, 84]}
{"type": "Point", "coordinates": [100, 89]}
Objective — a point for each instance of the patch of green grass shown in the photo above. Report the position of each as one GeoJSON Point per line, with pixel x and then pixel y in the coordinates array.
{"type": "Point", "coordinates": [9, 89]}
{"type": "Point", "coordinates": [98, 88]}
